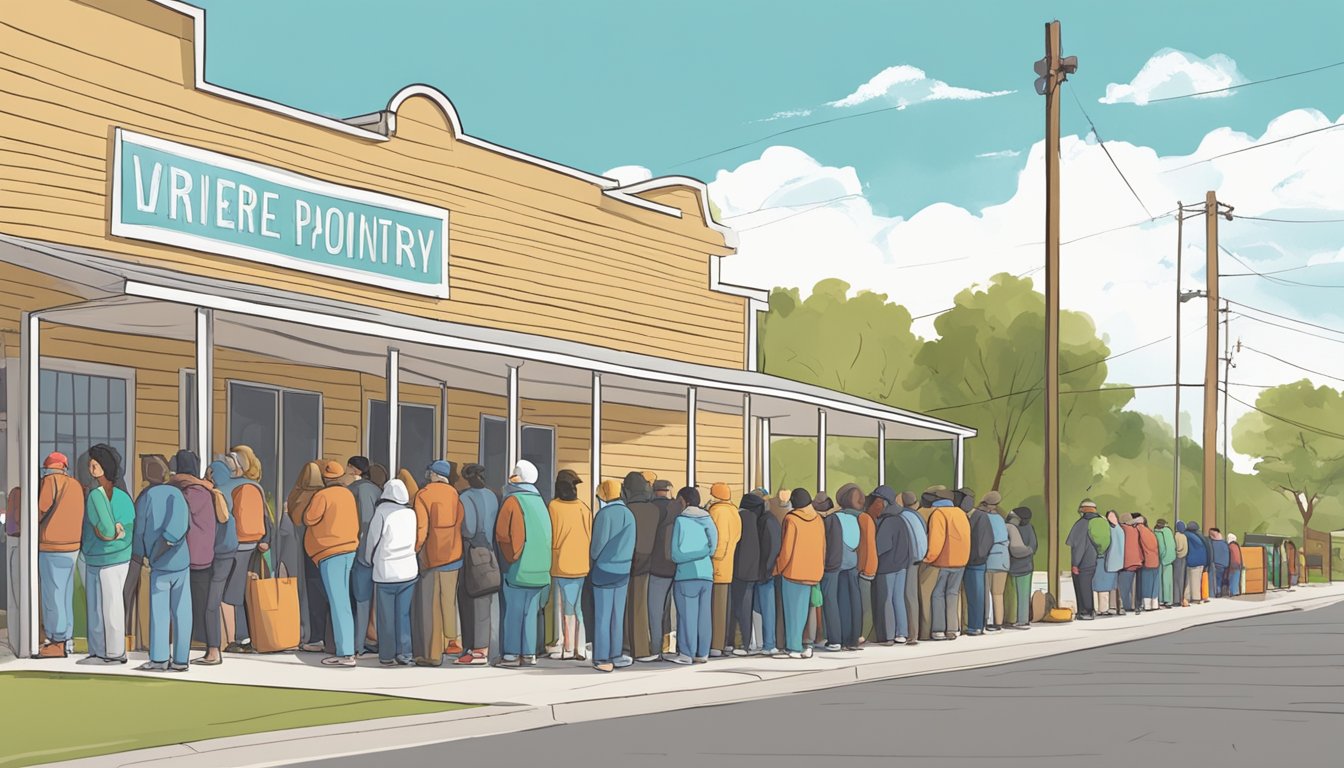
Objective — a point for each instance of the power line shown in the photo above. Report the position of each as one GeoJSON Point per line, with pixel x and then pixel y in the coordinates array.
{"type": "Point", "coordinates": [1102, 143]}
{"type": "Point", "coordinates": [794, 129]}
{"type": "Point", "coordinates": [1271, 272]}
{"type": "Point", "coordinates": [1277, 280]}
{"type": "Point", "coordinates": [791, 215]}
{"type": "Point", "coordinates": [777, 207]}
{"type": "Point", "coordinates": [1246, 85]}
{"type": "Point", "coordinates": [1158, 217]}
{"type": "Point", "coordinates": [1290, 364]}
{"type": "Point", "coordinates": [1289, 221]}
{"type": "Point", "coordinates": [1291, 422]}
{"type": "Point", "coordinates": [1254, 146]}
{"type": "Point", "coordinates": [1291, 328]}
{"type": "Point", "coordinates": [1282, 317]}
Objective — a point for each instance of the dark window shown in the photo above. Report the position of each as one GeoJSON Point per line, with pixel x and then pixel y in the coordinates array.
{"type": "Point", "coordinates": [538, 447]}
{"type": "Point", "coordinates": [79, 410]}
{"type": "Point", "coordinates": [494, 451]}
{"type": "Point", "coordinates": [415, 441]}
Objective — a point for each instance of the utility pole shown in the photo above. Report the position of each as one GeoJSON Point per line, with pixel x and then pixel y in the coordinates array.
{"type": "Point", "coordinates": [1227, 377]}
{"type": "Point", "coordinates": [1212, 211]}
{"type": "Point", "coordinates": [1051, 73]}
{"type": "Point", "coordinates": [1176, 421]}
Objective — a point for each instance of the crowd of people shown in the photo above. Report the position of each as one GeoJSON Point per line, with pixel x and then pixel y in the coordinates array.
{"type": "Point", "coordinates": [1122, 566]}
{"type": "Point", "coordinates": [444, 569]}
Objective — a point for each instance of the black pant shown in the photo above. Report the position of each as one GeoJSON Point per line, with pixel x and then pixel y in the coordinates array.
{"type": "Point", "coordinates": [200, 588]}
{"type": "Point", "coordinates": [319, 610]}
{"type": "Point", "coordinates": [741, 595]}
{"type": "Point", "coordinates": [1082, 590]}
{"type": "Point", "coordinates": [842, 609]}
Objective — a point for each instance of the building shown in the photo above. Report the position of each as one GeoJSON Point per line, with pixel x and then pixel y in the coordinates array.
{"type": "Point", "coordinates": [182, 265]}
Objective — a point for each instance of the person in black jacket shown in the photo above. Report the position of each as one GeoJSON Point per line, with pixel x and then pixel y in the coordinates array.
{"type": "Point", "coordinates": [1021, 562]}
{"type": "Point", "coordinates": [895, 554]}
{"type": "Point", "coordinates": [841, 603]}
{"type": "Point", "coordinates": [746, 571]}
{"type": "Point", "coordinates": [771, 536]}
{"type": "Point", "coordinates": [637, 496]}
{"type": "Point", "coordinates": [982, 540]}
{"type": "Point", "coordinates": [662, 571]}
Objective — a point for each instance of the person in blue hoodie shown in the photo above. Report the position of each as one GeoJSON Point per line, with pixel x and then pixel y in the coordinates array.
{"type": "Point", "coordinates": [919, 546]}
{"type": "Point", "coordinates": [996, 567]}
{"type": "Point", "coordinates": [841, 605]}
{"type": "Point", "coordinates": [895, 551]}
{"type": "Point", "coordinates": [480, 614]}
{"type": "Point", "coordinates": [1106, 583]}
{"type": "Point", "coordinates": [1196, 560]}
{"type": "Point", "coordinates": [1220, 558]}
{"type": "Point", "coordinates": [693, 540]}
{"type": "Point", "coordinates": [612, 551]}
{"type": "Point", "coordinates": [162, 519]}
{"type": "Point", "coordinates": [224, 582]}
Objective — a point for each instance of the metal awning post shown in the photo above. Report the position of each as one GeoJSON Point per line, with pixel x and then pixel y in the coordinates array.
{"type": "Point", "coordinates": [394, 411]}
{"type": "Point", "coordinates": [205, 385]}
{"type": "Point", "coordinates": [30, 355]}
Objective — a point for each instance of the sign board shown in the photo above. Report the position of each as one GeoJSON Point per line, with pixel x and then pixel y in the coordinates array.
{"type": "Point", "coordinates": [170, 193]}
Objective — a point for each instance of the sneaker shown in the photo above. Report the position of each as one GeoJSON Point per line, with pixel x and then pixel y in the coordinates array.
{"type": "Point", "coordinates": [974, 632]}
{"type": "Point", "coordinates": [807, 652]}
{"type": "Point", "coordinates": [794, 655]}
{"type": "Point", "coordinates": [993, 628]}
{"type": "Point", "coordinates": [782, 655]}
{"type": "Point", "coordinates": [421, 661]}
{"type": "Point", "coordinates": [714, 653]}
{"type": "Point", "coordinates": [238, 648]}
{"type": "Point", "coordinates": [940, 636]}
{"type": "Point", "coordinates": [563, 656]}
{"type": "Point", "coordinates": [832, 647]}
{"type": "Point", "coordinates": [901, 640]}
{"type": "Point", "coordinates": [700, 660]}
{"type": "Point", "coordinates": [339, 661]}
{"type": "Point", "coordinates": [529, 661]}
{"type": "Point", "coordinates": [1022, 626]}
{"type": "Point", "coordinates": [153, 666]}
{"type": "Point", "coordinates": [311, 647]}
{"type": "Point", "coordinates": [52, 651]}
{"type": "Point", "coordinates": [741, 652]}
{"type": "Point", "coordinates": [1086, 617]}
{"type": "Point", "coordinates": [507, 660]}
{"type": "Point", "coordinates": [387, 663]}
{"type": "Point", "coordinates": [175, 667]}
{"type": "Point", "coordinates": [649, 658]}
{"type": "Point", "coordinates": [853, 648]}
{"type": "Point", "coordinates": [604, 667]}
{"type": "Point", "coordinates": [365, 653]}
{"type": "Point", "coordinates": [622, 661]}
{"type": "Point", "coordinates": [771, 652]}
{"type": "Point", "coordinates": [912, 641]}
{"type": "Point", "coordinates": [405, 661]}
{"type": "Point", "coordinates": [207, 662]}
{"type": "Point", "coordinates": [679, 658]}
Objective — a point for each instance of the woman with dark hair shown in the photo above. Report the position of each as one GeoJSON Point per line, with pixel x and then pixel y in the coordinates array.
{"type": "Point", "coordinates": [480, 615]}
{"type": "Point", "coordinates": [105, 546]}
{"type": "Point", "coordinates": [571, 538]}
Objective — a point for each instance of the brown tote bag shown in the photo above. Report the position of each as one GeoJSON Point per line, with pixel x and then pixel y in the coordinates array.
{"type": "Point", "coordinates": [272, 608]}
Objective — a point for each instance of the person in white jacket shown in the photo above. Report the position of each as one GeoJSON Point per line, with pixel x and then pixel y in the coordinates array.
{"type": "Point", "coordinates": [390, 548]}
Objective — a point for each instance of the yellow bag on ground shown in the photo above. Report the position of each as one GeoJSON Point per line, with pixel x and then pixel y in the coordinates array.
{"type": "Point", "coordinates": [272, 609]}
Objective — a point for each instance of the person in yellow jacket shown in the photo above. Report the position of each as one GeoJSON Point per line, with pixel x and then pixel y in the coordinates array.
{"type": "Point", "coordinates": [571, 538]}
{"type": "Point", "coordinates": [949, 551]}
{"type": "Point", "coordinates": [728, 522]}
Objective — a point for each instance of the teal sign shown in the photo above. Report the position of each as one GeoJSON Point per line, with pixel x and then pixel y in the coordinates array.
{"type": "Point", "coordinates": [184, 196]}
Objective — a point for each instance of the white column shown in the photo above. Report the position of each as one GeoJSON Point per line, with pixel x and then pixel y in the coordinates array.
{"type": "Point", "coordinates": [690, 435]}
{"type": "Point", "coordinates": [821, 449]}
{"type": "Point", "coordinates": [881, 453]}
{"type": "Point", "coordinates": [511, 443]}
{"type": "Point", "coordinates": [765, 456]}
{"type": "Point", "coordinates": [959, 460]}
{"type": "Point", "coordinates": [205, 385]}
{"type": "Point", "coordinates": [595, 439]}
{"type": "Point", "coordinates": [394, 412]}
{"type": "Point", "coordinates": [30, 368]}
{"type": "Point", "coordinates": [748, 448]}
{"type": "Point", "coordinates": [443, 420]}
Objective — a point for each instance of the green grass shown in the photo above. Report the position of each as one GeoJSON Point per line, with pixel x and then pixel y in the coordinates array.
{"type": "Point", "coordinates": [55, 716]}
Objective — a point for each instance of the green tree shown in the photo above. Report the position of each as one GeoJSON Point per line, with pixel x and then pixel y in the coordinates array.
{"type": "Point", "coordinates": [1297, 433]}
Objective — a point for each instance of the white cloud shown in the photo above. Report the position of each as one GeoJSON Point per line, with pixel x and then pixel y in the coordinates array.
{"type": "Point", "coordinates": [1124, 279]}
{"type": "Point", "coordinates": [629, 174]}
{"type": "Point", "coordinates": [786, 114]}
{"type": "Point", "coordinates": [904, 85]}
{"type": "Point", "coordinates": [1001, 153]}
{"type": "Point", "coordinates": [1176, 73]}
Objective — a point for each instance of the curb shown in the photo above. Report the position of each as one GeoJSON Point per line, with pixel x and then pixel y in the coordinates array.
{"type": "Point", "coordinates": [277, 748]}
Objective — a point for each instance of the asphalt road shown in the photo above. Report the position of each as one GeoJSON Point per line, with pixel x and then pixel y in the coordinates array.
{"type": "Point", "coordinates": [1264, 691]}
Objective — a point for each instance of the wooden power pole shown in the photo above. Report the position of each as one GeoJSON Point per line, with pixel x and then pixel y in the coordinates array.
{"type": "Point", "coordinates": [1051, 73]}
{"type": "Point", "coordinates": [1210, 444]}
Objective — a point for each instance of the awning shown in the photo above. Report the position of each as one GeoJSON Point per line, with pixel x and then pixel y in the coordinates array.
{"type": "Point", "coordinates": [97, 275]}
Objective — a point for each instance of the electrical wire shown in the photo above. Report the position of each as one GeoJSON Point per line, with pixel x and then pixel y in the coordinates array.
{"type": "Point", "coordinates": [1246, 85]}
{"type": "Point", "coordinates": [1282, 317]}
{"type": "Point", "coordinates": [1291, 328]}
{"type": "Point", "coordinates": [777, 207]}
{"type": "Point", "coordinates": [1254, 146]}
{"type": "Point", "coordinates": [1288, 421]}
{"type": "Point", "coordinates": [1289, 363]}
{"type": "Point", "coordinates": [1277, 280]}
{"type": "Point", "coordinates": [1102, 143]}
{"type": "Point", "coordinates": [1158, 217]}
{"type": "Point", "coordinates": [1288, 221]}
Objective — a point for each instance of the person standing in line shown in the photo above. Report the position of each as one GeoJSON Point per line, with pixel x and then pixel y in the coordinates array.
{"type": "Point", "coordinates": [638, 497]}
{"type": "Point", "coordinates": [895, 552]}
{"type": "Point", "coordinates": [693, 542]}
{"type": "Point", "coordinates": [928, 574]}
{"type": "Point", "coordinates": [747, 569]}
{"type": "Point", "coordinates": [1128, 581]}
{"type": "Point", "coordinates": [331, 538]}
{"type": "Point", "coordinates": [728, 525]}
{"type": "Point", "coordinates": [919, 545]}
{"type": "Point", "coordinates": [367, 496]}
{"type": "Point", "coordinates": [480, 614]}
{"type": "Point", "coordinates": [105, 546]}
{"type": "Point", "coordinates": [1234, 566]}
{"type": "Point", "coordinates": [571, 542]}
{"type": "Point", "coordinates": [867, 565]}
{"type": "Point", "coordinates": [767, 589]}
{"type": "Point", "coordinates": [1166, 554]}
{"type": "Point", "coordinates": [802, 555]}
{"type": "Point", "coordinates": [612, 550]}
{"type": "Point", "coordinates": [841, 604]}
{"type": "Point", "coordinates": [982, 543]}
{"type": "Point", "coordinates": [1196, 560]}
{"type": "Point", "coordinates": [996, 565]}
{"type": "Point", "coordinates": [662, 573]}
{"type": "Point", "coordinates": [206, 508]}
{"type": "Point", "coordinates": [389, 547]}
{"type": "Point", "coordinates": [523, 531]}
{"type": "Point", "coordinates": [1220, 557]}
{"type": "Point", "coordinates": [256, 533]}
{"type": "Point", "coordinates": [438, 514]}
{"type": "Point", "coordinates": [1152, 563]}
{"type": "Point", "coordinates": [162, 521]}
{"type": "Point", "coordinates": [313, 596]}
{"type": "Point", "coordinates": [60, 523]}
{"type": "Point", "coordinates": [1088, 540]}
{"type": "Point", "coordinates": [1106, 582]}
{"type": "Point", "coordinates": [1022, 557]}
{"type": "Point", "coordinates": [949, 551]}
{"type": "Point", "coordinates": [1178, 574]}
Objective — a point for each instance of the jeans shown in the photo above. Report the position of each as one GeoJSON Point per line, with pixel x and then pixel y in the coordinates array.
{"type": "Point", "coordinates": [608, 622]}
{"type": "Point", "coordinates": [1082, 591]}
{"type": "Point", "coordinates": [335, 572]}
{"type": "Point", "coordinates": [943, 605]}
{"type": "Point", "coordinates": [106, 610]}
{"type": "Point", "coordinates": [521, 606]}
{"type": "Point", "coordinates": [889, 596]}
{"type": "Point", "coordinates": [1194, 590]}
{"type": "Point", "coordinates": [842, 608]}
{"type": "Point", "coordinates": [742, 594]}
{"type": "Point", "coordinates": [1125, 583]}
{"type": "Point", "coordinates": [695, 619]}
{"type": "Point", "coordinates": [1148, 586]}
{"type": "Point", "coordinates": [56, 580]}
{"type": "Point", "coordinates": [169, 616]}
{"type": "Point", "coordinates": [765, 606]}
{"type": "Point", "coordinates": [361, 592]}
{"type": "Point", "coordinates": [1234, 581]}
{"type": "Point", "coordinates": [975, 598]}
{"type": "Point", "coordinates": [1022, 589]}
{"type": "Point", "coordinates": [1178, 581]}
{"type": "Point", "coordinates": [797, 599]}
{"type": "Point", "coordinates": [394, 620]}
{"type": "Point", "coordinates": [660, 594]}
{"type": "Point", "coordinates": [1216, 580]}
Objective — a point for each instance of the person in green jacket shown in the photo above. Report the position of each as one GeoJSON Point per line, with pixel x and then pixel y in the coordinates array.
{"type": "Point", "coordinates": [1166, 555]}
{"type": "Point", "coordinates": [523, 535]}
{"type": "Point", "coordinates": [105, 547]}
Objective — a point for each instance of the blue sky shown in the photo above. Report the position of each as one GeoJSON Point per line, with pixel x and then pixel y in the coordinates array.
{"type": "Point", "coordinates": [603, 84]}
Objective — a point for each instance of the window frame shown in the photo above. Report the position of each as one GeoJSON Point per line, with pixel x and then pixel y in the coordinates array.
{"type": "Point", "coordinates": [103, 370]}
{"type": "Point", "coordinates": [367, 431]}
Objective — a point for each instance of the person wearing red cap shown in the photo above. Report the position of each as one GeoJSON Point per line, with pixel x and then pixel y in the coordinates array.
{"type": "Point", "coordinates": [60, 511]}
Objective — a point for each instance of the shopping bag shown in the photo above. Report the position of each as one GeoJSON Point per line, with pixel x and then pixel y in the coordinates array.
{"type": "Point", "coordinates": [272, 603]}
{"type": "Point", "coordinates": [481, 575]}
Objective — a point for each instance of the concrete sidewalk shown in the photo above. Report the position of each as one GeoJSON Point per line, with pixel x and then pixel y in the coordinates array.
{"type": "Point", "coordinates": [567, 692]}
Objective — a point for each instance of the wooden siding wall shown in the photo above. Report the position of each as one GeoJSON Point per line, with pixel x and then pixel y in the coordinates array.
{"type": "Point", "coordinates": [532, 249]}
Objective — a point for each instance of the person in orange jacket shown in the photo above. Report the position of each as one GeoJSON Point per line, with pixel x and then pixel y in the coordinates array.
{"type": "Point", "coordinates": [868, 565]}
{"type": "Point", "coordinates": [949, 551]}
{"type": "Point", "coordinates": [60, 518]}
{"type": "Point", "coordinates": [438, 538]}
{"type": "Point", "coordinates": [802, 556]}
{"type": "Point", "coordinates": [330, 541]}
{"type": "Point", "coordinates": [728, 522]}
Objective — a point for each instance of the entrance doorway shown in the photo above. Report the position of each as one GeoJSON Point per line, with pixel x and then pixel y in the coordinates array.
{"type": "Point", "coordinates": [282, 426]}
{"type": "Point", "coordinates": [415, 437]}
{"type": "Point", "coordinates": [537, 446]}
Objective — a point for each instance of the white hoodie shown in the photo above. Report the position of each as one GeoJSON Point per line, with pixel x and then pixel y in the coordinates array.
{"type": "Point", "coordinates": [390, 545]}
